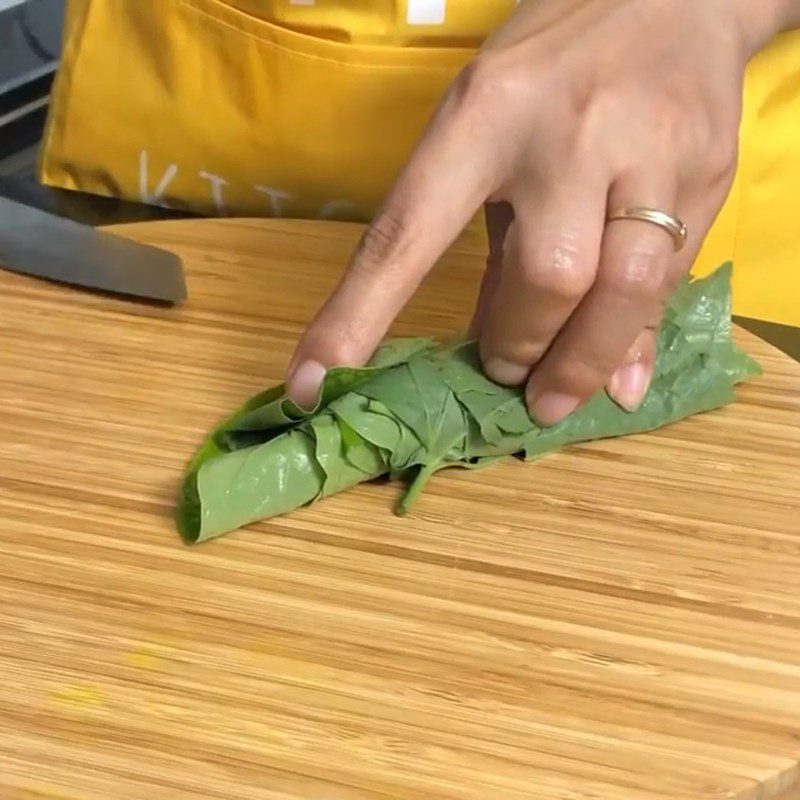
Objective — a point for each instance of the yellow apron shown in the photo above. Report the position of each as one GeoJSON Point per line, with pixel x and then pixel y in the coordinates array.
{"type": "Point", "coordinates": [308, 108]}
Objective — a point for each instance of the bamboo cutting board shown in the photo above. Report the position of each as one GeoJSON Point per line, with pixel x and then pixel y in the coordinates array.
{"type": "Point", "coordinates": [617, 622]}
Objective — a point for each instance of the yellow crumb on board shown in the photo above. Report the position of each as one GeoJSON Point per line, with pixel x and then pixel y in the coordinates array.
{"type": "Point", "coordinates": [80, 696]}
{"type": "Point", "coordinates": [142, 658]}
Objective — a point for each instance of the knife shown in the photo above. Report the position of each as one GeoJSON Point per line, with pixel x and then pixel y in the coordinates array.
{"type": "Point", "coordinates": [36, 243]}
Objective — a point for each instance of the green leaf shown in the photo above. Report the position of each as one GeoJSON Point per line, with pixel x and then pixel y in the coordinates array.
{"type": "Point", "coordinates": [362, 415]}
{"type": "Point", "coordinates": [417, 410]}
{"type": "Point", "coordinates": [445, 446]}
{"type": "Point", "coordinates": [270, 413]}
{"type": "Point", "coordinates": [235, 489]}
{"type": "Point", "coordinates": [345, 463]}
{"type": "Point", "coordinates": [401, 351]}
{"type": "Point", "coordinates": [361, 453]}
{"type": "Point", "coordinates": [498, 410]}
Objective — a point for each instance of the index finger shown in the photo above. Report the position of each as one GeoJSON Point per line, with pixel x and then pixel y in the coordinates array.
{"type": "Point", "coordinates": [439, 190]}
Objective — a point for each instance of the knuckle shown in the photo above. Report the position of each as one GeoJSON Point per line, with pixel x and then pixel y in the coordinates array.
{"type": "Point", "coordinates": [560, 272]}
{"type": "Point", "coordinates": [481, 83]}
{"type": "Point", "coordinates": [472, 85]}
{"type": "Point", "coordinates": [384, 245]}
{"type": "Point", "coordinates": [720, 160]}
{"type": "Point", "coordinates": [640, 275]}
{"type": "Point", "coordinates": [710, 150]}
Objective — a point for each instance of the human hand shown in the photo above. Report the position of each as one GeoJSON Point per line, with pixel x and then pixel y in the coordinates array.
{"type": "Point", "coordinates": [573, 109]}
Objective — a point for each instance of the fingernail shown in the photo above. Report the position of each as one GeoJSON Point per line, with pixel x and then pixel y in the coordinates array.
{"type": "Point", "coordinates": [628, 386]}
{"type": "Point", "coordinates": [506, 373]}
{"type": "Point", "coordinates": [303, 384]}
{"type": "Point", "coordinates": [552, 407]}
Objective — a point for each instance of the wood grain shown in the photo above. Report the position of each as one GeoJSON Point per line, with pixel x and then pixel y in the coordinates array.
{"type": "Point", "coordinates": [620, 621]}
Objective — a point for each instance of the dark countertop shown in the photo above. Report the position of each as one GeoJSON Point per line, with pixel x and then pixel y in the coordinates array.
{"type": "Point", "coordinates": [93, 210]}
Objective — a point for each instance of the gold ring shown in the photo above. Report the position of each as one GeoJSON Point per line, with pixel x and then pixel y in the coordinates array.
{"type": "Point", "coordinates": [672, 225]}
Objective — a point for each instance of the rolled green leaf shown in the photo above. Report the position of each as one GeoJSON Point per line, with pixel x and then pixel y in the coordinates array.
{"type": "Point", "coordinates": [420, 407]}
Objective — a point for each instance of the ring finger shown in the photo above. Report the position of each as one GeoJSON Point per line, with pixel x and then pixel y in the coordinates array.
{"type": "Point", "coordinates": [636, 272]}
{"type": "Point", "coordinates": [701, 204]}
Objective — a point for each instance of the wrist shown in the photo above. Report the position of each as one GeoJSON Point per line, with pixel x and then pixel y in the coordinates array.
{"type": "Point", "coordinates": [762, 20]}
{"type": "Point", "coordinates": [788, 13]}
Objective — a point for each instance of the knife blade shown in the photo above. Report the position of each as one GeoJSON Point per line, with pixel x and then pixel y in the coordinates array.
{"type": "Point", "coordinates": [42, 245]}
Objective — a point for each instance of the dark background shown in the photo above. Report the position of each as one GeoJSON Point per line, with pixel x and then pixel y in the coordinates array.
{"type": "Point", "coordinates": [30, 40]}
